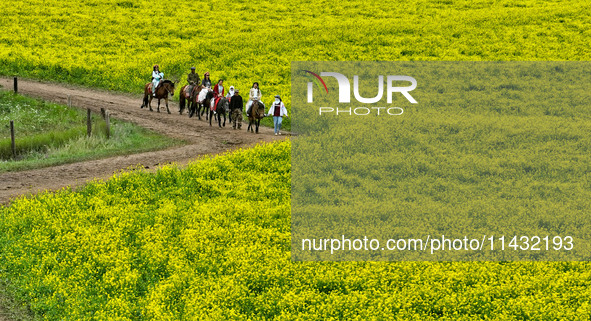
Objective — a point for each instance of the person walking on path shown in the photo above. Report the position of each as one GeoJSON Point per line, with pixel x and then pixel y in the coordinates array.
{"type": "Point", "coordinates": [278, 111]}
{"type": "Point", "coordinates": [236, 105]}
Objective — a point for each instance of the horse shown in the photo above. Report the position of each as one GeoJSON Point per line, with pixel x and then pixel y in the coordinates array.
{"type": "Point", "coordinates": [257, 112]}
{"type": "Point", "coordinates": [190, 100]}
{"type": "Point", "coordinates": [164, 88]}
{"type": "Point", "coordinates": [221, 109]}
{"type": "Point", "coordinates": [183, 98]}
{"type": "Point", "coordinates": [201, 100]}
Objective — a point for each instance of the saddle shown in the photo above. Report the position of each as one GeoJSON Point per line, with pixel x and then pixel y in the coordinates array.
{"type": "Point", "coordinates": [150, 89]}
{"type": "Point", "coordinates": [188, 91]}
{"type": "Point", "coordinates": [214, 104]}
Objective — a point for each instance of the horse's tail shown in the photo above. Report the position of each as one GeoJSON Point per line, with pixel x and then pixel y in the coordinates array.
{"type": "Point", "coordinates": [146, 93]}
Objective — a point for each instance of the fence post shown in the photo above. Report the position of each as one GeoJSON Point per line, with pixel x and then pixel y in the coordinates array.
{"type": "Point", "coordinates": [108, 121]}
{"type": "Point", "coordinates": [15, 85]}
{"type": "Point", "coordinates": [88, 123]}
{"type": "Point", "coordinates": [69, 101]}
{"type": "Point", "coordinates": [13, 143]}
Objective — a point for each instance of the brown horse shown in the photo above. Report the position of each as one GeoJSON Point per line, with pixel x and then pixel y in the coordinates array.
{"type": "Point", "coordinates": [165, 87]}
{"type": "Point", "coordinates": [206, 95]}
{"type": "Point", "coordinates": [196, 106]}
{"type": "Point", "coordinates": [257, 112]}
{"type": "Point", "coordinates": [189, 99]}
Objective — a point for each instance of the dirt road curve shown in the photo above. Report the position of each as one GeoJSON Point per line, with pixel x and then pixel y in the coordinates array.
{"type": "Point", "coordinates": [202, 138]}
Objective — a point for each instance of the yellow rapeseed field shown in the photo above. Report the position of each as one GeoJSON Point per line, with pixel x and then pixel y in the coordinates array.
{"type": "Point", "coordinates": [114, 43]}
{"type": "Point", "coordinates": [212, 241]}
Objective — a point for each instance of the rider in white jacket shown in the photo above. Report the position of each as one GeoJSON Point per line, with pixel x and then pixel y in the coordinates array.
{"type": "Point", "coordinates": [254, 94]}
{"type": "Point", "coordinates": [156, 77]}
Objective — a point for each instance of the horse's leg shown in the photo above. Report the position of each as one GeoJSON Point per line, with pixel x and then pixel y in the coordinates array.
{"type": "Point", "coordinates": [181, 104]}
{"type": "Point", "coordinates": [258, 124]}
{"type": "Point", "coordinates": [210, 116]}
{"type": "Point", "coordinates": [224, 119]}
{"type": "Point", "coordinates": [166, 101]}
{"type": "Point", "coordinates": [150, 102]}
{"type": "Point", "coordinates": [158, 110]}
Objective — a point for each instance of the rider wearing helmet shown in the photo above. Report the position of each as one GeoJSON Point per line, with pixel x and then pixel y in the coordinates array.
{"type": "Point", "coordinates": [193, 80]}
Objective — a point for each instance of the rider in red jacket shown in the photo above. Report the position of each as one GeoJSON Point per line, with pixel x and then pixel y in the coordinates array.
{"type": "Point", "coordinates": [219, 93]}
{"type": "Point", "coordinates": [219, 89]}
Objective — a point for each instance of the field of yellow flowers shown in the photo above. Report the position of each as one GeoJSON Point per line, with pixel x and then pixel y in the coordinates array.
{"type": "Point", "coordinates": [212, 241]}
{"type": "Point", "coordinates": [114, 43]}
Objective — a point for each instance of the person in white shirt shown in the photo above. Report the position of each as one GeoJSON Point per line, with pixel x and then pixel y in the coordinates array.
{"type": "Point", "coordinates": [156, 77]}
{"type": "Point", "coordinates": [278, 111]}
{"type": "Point", "coordinates": [230, 93]}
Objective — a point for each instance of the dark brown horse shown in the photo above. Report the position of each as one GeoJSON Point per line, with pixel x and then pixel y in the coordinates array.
{"type": "Point", "coordinates": [221, 109]}
{"type": "Point", "coordinates": [165, 87]}
{"type": "Point", "coordinates": [257, 112]}
{"type": "Point", "coordinates": [205, 95]}
{"type": "Point", "coordinates": [189, 99]}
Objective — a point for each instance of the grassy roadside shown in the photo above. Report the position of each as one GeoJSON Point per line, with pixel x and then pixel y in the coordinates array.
{"type": "Point", "coordinates": [37, 121]}
{"type": "Point", "coordinates": [11, 309]}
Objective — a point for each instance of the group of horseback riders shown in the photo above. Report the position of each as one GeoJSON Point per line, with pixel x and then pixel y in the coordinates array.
{"type": "Point", "coordinates": [193, 92]}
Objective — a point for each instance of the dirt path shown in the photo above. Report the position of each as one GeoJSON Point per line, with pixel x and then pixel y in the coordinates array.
{"type": "Point", "coordinates": [202, 138]}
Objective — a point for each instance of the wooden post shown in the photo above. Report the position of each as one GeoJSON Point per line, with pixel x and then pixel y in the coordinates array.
{"type": "Point", "coordinates": [88, 123]}
{"type": "Point", "coordinates": [15, 85]}
{"type": "Point", "coordinates": [69, 101]}
{"type": "Point", "coordinates": [13, 143]}
{"type": "Point", "coordinates": [108, 121]}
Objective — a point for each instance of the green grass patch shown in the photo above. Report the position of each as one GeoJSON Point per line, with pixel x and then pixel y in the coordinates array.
{"type": "Point", "coordinates": [50, 134]}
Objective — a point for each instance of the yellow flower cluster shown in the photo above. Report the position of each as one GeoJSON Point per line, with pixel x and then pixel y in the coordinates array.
{"type": "Point", "coordinates": [212, 241]}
